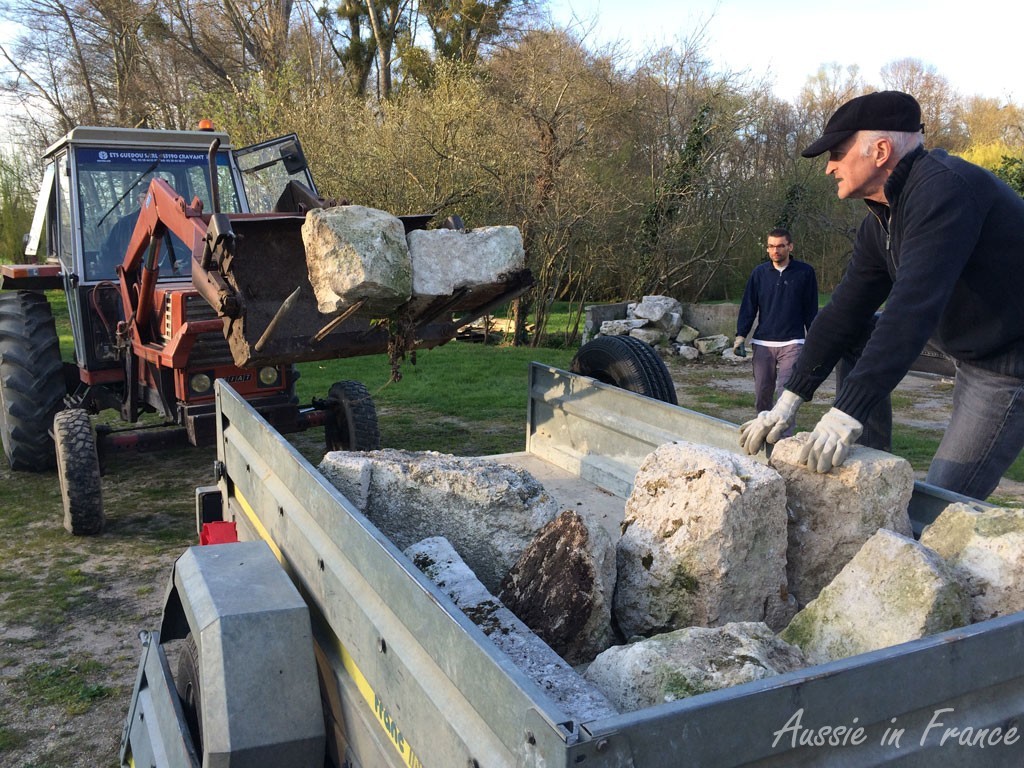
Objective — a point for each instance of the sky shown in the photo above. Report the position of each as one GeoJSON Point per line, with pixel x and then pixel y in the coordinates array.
{"type": "Point", "coordinates": [975, 45]}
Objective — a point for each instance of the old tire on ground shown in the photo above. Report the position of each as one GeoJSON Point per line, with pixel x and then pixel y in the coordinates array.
{"type": "Point", "coordinates": [352, 423]}
{"type": "Point", "coordinates": [78, 468]}
{"type": "Point", "coordinates": [186, 682]}
{"type": "Point", "coordinates": [31, 380]}
{"type": "Point", "coordinates": [627, 363]}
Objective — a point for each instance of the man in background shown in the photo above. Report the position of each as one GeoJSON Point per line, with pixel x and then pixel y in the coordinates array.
{"type": "Point", "coordinates": [782, 295]}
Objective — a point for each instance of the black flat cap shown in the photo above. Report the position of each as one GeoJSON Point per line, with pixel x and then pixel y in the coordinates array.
{"type": "Point", "coordinates": [881, 111]}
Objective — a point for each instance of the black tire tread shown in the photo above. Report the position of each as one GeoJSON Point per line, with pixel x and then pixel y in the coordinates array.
{"type": "Point", "coordinates": [31, 380]}
{"type": "Point", "coordinates": [628, 363]}
{"type": "Point", "coordinates": [78, 469]}
{"type": "Point", "coordinates": [353, 423]}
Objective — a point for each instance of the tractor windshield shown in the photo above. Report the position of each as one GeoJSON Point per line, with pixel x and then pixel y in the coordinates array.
{"type": "Point", "coordinates": [111, 183]}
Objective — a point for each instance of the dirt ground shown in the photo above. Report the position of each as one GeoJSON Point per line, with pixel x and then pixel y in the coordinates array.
{"type": "Point", "coordinates": [69, 652]}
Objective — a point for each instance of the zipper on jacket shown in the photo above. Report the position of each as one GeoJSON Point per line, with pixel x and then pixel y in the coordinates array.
{"type": "Point", "coordinates": [885, 225]}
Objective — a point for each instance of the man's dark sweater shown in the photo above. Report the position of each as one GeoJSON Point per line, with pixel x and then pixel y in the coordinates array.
{"type": "Point", "coordinates": [784, 303]}
{"type": "Point", "coordinates": [946, 258]}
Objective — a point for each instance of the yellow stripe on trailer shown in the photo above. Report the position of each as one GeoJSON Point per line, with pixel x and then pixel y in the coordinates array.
{"type": "Point", "coordinates": [380, 711]}
{"type": "Point", "coordinates": [263, 533]}
{"type": "Point", "coordinates": [373, 701]}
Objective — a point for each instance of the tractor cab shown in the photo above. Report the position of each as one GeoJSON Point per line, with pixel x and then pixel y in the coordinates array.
{"type": "Point", "coordinates": [94, 184]}
{"type": "Point", "coordinates": [144, 337]}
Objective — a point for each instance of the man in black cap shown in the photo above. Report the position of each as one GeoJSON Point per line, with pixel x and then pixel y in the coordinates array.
{"type": "Point", "coordinates": [942, 247]}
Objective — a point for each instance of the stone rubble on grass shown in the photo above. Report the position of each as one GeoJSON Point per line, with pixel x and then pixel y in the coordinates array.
{"type": "Point", "coordinates": [620, 327]}
{"type": "Point", "coordinates": [710, 345]}
{"type": "Point", "coordinates": [687, 352]}
{"type": "Point", "coordinates": [490, 512]}
{"type": "Point", "coordinates": [663, 312]}
{"type": "Point", "coordinates": [562, 587]}
{"type": "Point", "coordinates": [703, 543]}
{"type": "Point", "coordinates": [446, 260]}
{"type": "Point", "coordinates": [578, 698]}
{"type": "Point", "coordinates": [691, 661]}
{"type": "Point", "coordinates": [658, 321]}
{"type": "Point", "coordinates": [652, 336]}
{"type": "Point", "coordinates": [985, 548]}
{"type": "Point", "coordinates": [354, 252]}
{"type": "Point", "coordinates": [833, 514]}
{"type": "Point", "coordinates": [893, 590]}
{"type": "Point", "coordinates": [687, 336]}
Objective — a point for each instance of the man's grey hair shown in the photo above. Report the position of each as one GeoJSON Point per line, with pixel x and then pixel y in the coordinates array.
{"type": "Point", "coordinates": [902, 143]}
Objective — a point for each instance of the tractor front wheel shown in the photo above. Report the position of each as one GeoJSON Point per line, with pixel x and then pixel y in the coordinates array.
{"type": "Point", "coordinates": [352, 424]}
{"type": "Point", "coordinates": [78, 468]}
{"type": "Point", "coordinates": [31, 380]}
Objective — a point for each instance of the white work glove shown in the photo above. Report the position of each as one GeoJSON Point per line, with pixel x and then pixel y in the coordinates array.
{"type": "Point", "coordinates": [830, 441]}
{"type": "Point", "coordinates": [770, 425]}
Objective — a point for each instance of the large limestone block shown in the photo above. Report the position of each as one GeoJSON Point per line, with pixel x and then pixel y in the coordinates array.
{"type": "Point", "coordinates": [575, 696]}
{"type": "Point", "coordinates": [562, 586]}
{"type": "Point", "coordinates": [703, 543]}
{"type": "Point", "coordinates": [985, 548]}
{"type": "Point", "coordinates": [894, 590]}
{"type": "Point", "coordinates": [691, 661]}
{"type": "Point", "coordinates": [444, 260]}
{"type": "Point", "coordinates": [353, 253]}
{"type": "Point", "coordinates": [490, 512]}
{"type": "Point", "coordinates": [833, 514]}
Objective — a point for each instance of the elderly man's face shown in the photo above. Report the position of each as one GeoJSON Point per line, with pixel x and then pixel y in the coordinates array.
{"type": "Point", "coordinates": [857, 175]}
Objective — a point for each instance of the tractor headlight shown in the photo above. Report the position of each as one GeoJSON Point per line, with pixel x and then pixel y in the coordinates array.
{"type": "Point", "coordinates": [269, 376]}
{"type": "Point", "coordinates": [200, 383]}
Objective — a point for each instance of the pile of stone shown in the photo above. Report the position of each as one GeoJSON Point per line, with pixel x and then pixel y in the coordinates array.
{"type": "Point", "coordinates": [725, 570]}
{"type": "Point", "coordinates": [359, 255]}
{"type": "Point", "coordinates": [661, 322]}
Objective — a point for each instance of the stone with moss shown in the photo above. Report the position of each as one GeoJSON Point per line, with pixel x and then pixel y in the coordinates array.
{"type": "Point", "coordinates": [703, 543]}
{"type": "Point", "coordinates": [688, 662]}
{"type": "Point", "coordinates": [833, 514]}
{"type": "Point", "coordinates": [893, 590]}
{"type": "Point", "coordinates": [985, 548]}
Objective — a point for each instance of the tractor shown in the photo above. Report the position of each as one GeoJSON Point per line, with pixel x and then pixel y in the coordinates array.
{"type": "Point", "coordinates": [182, 262]}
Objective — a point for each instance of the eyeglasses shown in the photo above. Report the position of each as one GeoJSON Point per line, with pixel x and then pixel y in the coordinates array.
{"type": "Point", "coordinates": [782, 247]}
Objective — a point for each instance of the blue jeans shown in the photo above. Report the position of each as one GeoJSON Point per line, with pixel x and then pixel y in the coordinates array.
{"type": "Point", "coordinates": [985, 433]}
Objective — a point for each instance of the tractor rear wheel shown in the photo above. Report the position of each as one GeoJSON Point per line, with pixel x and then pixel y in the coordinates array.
{"type": "Point", "coordinates": [31, 380]}
{"type": "Point", "coordinates": [352, 424]}
{"type": "Point", "coordinates": [78, 468]}
{"type": "Point", "coordinates": [627, 363]}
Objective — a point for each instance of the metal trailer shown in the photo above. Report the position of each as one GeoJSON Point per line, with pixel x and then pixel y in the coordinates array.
{"type": "Point", "coordinates": [321, 643]}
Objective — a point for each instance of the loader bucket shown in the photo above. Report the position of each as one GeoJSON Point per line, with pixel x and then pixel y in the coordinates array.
{"type": "Point", "coordinates": [279, 322]}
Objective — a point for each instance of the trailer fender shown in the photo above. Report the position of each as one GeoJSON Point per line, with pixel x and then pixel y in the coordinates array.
{"type": "Point", "coordinates": [260, 692]}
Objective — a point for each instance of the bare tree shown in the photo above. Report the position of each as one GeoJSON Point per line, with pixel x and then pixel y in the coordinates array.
{"type": "Point", "coordinates": [938, 100]}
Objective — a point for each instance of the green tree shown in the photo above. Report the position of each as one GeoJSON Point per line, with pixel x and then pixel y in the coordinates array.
{"type": "Point", "coordinates": [17, 204]}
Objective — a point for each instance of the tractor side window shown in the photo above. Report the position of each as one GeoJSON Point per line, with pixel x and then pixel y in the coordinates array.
{"type": "Point", "coordinates": [267, 169]}
{"type": "Point", "coordinates": [64, 229]}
